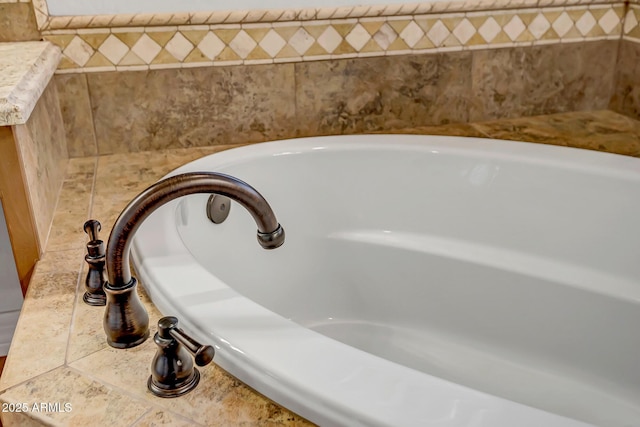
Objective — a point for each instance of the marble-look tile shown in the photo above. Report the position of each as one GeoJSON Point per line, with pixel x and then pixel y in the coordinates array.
{"type": "Point", "coordinates": [17, 22]}
{"type": "Point", "coordinates": [599, 130]}
{"type": "Point", "coordinates": [219, 399]}
{"type": "Point", "coordinates": [151, 110]}
{"type": "Point", "coordinates": [626, 96]}
{"type": "Point", "coordinates": [44, 156]}
{"type": "Point", "coordinates": [40, 340]}
{"type": "Point", "coordinates": [89, 402]}
{"type": "Point", "coordinates": [73, 205]}
{"type": "Point", "coordinates": [528, 81]}
{"type": "Point", "coordinates": [75, 107]}
{"type": "Point", "coordinates": [384, 93]}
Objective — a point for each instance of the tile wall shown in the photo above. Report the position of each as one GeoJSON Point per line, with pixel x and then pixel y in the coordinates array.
{"type": "Point", "coordinates": [43, 155]}
{"type": "Point", "coordinates": [139, 82]}
{"type": "Point", "coordinates": [17, 21]}
{"type": "Point", "coordinates": [154, 109]}
{"type": "Point", "coordinates": [626, 97]}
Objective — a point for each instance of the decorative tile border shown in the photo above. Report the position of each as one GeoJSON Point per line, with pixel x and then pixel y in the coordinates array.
{"type": "Point", "coordinates": [153, 47]}
{"type": "Point", "coordinates": [631, 30]}
{"type": "Point", "coordinates": [46, 22]}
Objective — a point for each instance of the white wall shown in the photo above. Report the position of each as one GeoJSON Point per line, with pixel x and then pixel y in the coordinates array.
{"type": "Point", "coordinates": [10, 293]}
{"type": "Point", "coordinates": [108, 7]}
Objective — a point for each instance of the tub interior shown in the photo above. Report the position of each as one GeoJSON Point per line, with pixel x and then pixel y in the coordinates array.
{"type": "Point", "coordinates": [507, 274]}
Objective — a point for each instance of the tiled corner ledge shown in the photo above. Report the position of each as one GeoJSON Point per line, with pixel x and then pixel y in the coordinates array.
{"type": "Point", "coordinates": [25, 71]}
{"type": "Point", "coordinates": [59, 355]}
{"type": "Point", "coordinates": [33, 149]}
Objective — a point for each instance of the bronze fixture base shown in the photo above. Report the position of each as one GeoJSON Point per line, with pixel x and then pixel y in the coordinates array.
{"type": "Point", "coordinates": [176, 390]}
{"type": "Point", "coordinates": [172, 370]}
{"type": "Point", "coordinates": [126, 321]}
{"type": "Point", "coordinates": [94, 299]}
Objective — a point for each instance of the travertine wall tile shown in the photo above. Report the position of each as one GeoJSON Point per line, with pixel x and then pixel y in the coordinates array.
{"type": "Point", "coordinates": [371, 94]}
{"type": "Point", "coordinates": [75, 107]}
{"type": "Point", "coordinates": [542, 79]}
{"type": "Point", "coordinates": [626, 96]}
{"type": "Point", "coordinates": [44, 156]}
{"type": "Point", "coordinates": [18, 23]}
{"type": "Point", "coordinates": [150, 110]}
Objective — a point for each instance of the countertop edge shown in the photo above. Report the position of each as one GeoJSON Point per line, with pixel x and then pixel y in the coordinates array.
{"type": "Point", "coordinates": [16, 108]}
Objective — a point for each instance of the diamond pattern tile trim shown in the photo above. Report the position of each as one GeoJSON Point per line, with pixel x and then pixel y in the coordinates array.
{"type": "Point", "coordinates": [631, 30]}
{"type": "Point", "coordinates": [124, 48]}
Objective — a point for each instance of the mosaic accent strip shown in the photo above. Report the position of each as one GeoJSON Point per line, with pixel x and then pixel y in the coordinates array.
{"type": "Point", "coordinates": [631, 30]}
{"type": "Point", "coordinates": [141, 48]}
{"type": "Point", "coordinates": [46, 22]}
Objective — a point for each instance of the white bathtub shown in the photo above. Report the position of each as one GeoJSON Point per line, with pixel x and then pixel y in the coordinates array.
{"type": "Point", "coordinates": [427, 281]}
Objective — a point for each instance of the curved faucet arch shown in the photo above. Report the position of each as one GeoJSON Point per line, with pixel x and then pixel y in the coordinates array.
{"type": "Point", "coordinates": [126, 322]}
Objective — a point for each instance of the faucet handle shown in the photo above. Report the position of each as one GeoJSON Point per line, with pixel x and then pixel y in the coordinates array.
{"type": "Point", "coordinates": [172, 371]}
{"type": "Point", "coordinates": [92, 227]}
{"type": "Point", "coordinates": [202, 354]}
{"type": "Point", "coordinates": [95, 258]}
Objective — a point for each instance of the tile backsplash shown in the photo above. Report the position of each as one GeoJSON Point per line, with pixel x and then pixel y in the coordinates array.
{"type": "Point", "coordinates": [157, 47]}
{"type": "Point", "coordinates": [150, 81]}
{"type": "Point", "coordinates": [156, 109]}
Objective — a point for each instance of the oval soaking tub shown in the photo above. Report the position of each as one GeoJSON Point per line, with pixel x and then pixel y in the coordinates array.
{"type": "Point", "coordinates": [427, 281]}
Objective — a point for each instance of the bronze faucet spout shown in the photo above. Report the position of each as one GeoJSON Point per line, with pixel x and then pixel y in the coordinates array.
{"type": "Point", "coordinates": [126, 321]}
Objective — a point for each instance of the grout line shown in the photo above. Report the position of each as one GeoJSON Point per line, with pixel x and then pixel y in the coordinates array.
{"type": "Point", "coordinates": [123, 391]}
{"type": "Point", "coordinates": [26, 380]}
{"type": "Point", "coordinates": [73, 312]}
{"type": "Point", "coordinates": [96, 150]}
{"type": "Point", "coordinates": [79, 282]}
{"type": "Point", "coordinates": [615, 66]}
{"type": "Point", "coordinates": [93, 186]}
{"type": "Point", "coordinates": [141, 417]}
